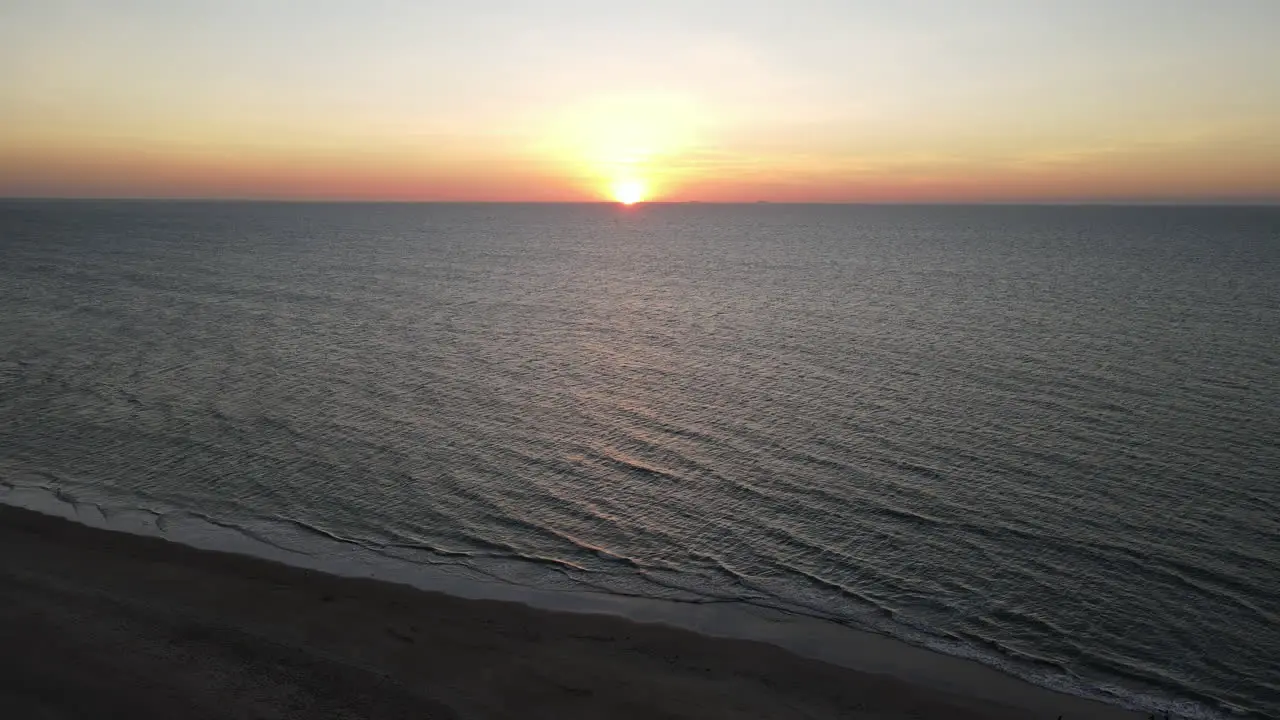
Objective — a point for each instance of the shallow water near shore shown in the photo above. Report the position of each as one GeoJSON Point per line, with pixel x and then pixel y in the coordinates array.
{"type": "Point", "coordinates": [1041, 438]}
{"type": "Point", "coordinates": [819, 639]}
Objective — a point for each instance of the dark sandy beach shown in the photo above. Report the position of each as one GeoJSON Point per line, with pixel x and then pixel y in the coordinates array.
{"type": "Point", "coordinates": [105, 624]}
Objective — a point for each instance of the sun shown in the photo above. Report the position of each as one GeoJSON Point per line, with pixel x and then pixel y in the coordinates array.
{"type": "Point", "coordinates": [629, 192]}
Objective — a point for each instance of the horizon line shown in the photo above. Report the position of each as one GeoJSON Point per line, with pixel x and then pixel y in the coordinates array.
{"type": "Point", "coordinates": [1199, 202]}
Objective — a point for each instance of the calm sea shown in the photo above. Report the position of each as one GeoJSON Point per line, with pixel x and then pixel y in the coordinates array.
{"type": "Point", "coordinates": [1044, 437]}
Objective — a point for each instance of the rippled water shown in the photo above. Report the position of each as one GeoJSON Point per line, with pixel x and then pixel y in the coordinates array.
{"type": "Point", "coordinates": [1043, 437]}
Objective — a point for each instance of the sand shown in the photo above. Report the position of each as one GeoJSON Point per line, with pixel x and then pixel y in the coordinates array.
{"type": "Point", "coordinates": [100, 624]}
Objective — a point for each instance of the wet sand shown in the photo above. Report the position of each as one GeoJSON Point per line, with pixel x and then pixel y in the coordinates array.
{"type": "Point", "coordinates": [100, 624]}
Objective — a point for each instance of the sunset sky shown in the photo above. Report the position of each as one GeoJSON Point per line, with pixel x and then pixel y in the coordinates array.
{"type": "Point", "coordinates": [805, 100]}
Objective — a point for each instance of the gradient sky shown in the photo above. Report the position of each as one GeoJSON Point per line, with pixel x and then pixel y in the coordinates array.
{"type": "Point", "coordinates": [984, 100]}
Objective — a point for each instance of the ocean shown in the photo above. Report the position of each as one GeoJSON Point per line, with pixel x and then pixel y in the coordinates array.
{"type": "Point", "coordinates": [1046, 438]}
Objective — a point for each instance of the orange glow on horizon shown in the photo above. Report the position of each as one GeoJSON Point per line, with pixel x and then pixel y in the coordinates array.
{"type": "Point", "coordinates": [629, 192]}
{"type": "Point", "coordinates": [54, 167]}
{"type": "Point", "coordinates": [640, 102]}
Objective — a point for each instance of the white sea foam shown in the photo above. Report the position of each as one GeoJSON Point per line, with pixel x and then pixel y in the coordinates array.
{"type": "Point", "coordinates": [936, 663]}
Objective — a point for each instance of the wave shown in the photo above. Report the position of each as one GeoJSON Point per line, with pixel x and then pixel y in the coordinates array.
{"type": "Point", "coordinates": [312, 545]}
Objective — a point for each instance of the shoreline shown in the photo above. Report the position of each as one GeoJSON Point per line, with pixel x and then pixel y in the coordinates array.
{"type": "Point", "coordinates": [601, 658]}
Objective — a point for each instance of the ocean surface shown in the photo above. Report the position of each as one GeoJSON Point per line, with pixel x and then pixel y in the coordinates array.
{"type": "Point", "coordinates": [1044, 437]}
